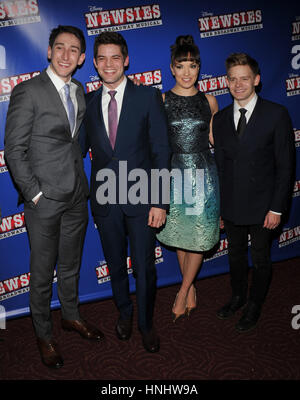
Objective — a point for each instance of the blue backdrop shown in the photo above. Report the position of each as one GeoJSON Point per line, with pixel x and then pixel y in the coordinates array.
{"type": "Point", "coordinates": [269, 32]}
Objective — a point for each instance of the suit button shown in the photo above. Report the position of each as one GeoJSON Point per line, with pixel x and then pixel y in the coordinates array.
{"type": "Point", "coordinates": [115, 158]}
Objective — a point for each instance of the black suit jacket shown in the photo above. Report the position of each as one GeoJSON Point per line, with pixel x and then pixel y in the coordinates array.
{"type": "Point", "coordinates": [255, 170]}
{"type": "Point", "coordinates": [40, 151]}
{"type": "Point", "coordinates": [142, 141]}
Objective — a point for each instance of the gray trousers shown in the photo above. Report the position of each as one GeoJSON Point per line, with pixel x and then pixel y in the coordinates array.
{"type": "Point", "coordinates": [56, 233]}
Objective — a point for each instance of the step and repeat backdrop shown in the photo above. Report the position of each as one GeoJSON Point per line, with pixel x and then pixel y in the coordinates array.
{"type": "Point", "coordinates": [269, 32]}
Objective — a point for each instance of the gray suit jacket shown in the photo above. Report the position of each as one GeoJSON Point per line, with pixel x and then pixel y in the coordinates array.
{"type": "Point", "coordinates": [40, 151]}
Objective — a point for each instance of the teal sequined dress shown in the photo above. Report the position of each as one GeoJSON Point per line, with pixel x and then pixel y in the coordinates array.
{"type": "Point", "coordinates": [193, 219]}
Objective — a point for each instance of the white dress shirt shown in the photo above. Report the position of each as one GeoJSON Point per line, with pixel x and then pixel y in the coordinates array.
{"type": "Point", "coordinates": [59, 84]}
{"type": "Point", "coordinates": [106, 99]}
{"type": "Point", "coordinates": [249, 107]}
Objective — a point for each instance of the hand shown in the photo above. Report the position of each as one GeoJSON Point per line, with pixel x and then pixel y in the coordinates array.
{"type": "Point", "coordinates": [36, 200]}
{"type": "Point", "coordinates": [157, 217]}
{"type": "Point", "coordinates": [221, 223]}
{"type": "Point", "coordinates": [272, 220]}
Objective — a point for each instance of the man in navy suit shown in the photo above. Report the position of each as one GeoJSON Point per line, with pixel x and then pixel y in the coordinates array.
{"type": "Point", "coordinates": [135, 138]}
{"type": "Point", "coordinates": [254, 154]}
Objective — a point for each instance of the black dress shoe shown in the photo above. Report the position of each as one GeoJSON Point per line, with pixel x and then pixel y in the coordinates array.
{"type": "Point", "coordinates": [124, 329]}
{"type": "Point", "coordinates": [150, 341]}
{"type": "Point", "coordinates": [231, 307]}
{"type": "Point", "coordinates": [249, 318]}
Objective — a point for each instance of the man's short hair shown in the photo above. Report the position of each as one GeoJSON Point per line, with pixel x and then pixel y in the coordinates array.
{"type": "Point", "coordinates": [68, 29]}
{"type": "Point", "coordinates": [111, 38]}
{"type": "Point", "coordinates": [242, 59]}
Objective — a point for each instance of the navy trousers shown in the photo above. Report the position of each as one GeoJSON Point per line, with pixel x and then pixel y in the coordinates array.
{"type": "Point", "coordinates": [115, 229]}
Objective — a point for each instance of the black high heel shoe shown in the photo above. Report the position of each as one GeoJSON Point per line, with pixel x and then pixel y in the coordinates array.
{"type": "Point", "coordinates": [189, 310]}
{"type": "Point", "coordinates": [176, 316]}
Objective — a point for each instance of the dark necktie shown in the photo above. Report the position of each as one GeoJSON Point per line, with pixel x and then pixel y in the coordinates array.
{"type": "Point", "coordinates": [112, 117]}
{"type": "Point", "coordinates": [242, 122]}
{"type": "Point", "coordinates": [70, 106]}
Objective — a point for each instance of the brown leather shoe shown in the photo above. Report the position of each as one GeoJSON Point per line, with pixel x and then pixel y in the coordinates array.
{"type": "Point", "coordinates": [86, 330]}
{"type": "Point", "coordinates": [49, 353]}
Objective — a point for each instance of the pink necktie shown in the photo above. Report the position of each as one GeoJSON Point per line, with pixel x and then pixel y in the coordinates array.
{"type": "Point", "coordinates": [112, 118]}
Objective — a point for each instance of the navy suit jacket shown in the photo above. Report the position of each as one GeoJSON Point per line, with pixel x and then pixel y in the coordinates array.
{"type": "Point", "coordinates": [142, 141]}
{"type": "Point", "coordinates": [255, 171]}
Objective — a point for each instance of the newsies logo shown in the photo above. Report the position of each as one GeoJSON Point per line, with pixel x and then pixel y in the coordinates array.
{"type": "Point", "coordinates": [3, 167]}
{"type": "Point", "coordinates": [148, 78]}
{"type": "Point", "coordinates": [19, 12]}
{"type": "Point", "coordinates": [17, 285]}
{"type": "Point", "coordinates": [7, 84]}
{"type": "Point", "coordinates": [122, 19]}
{"type": "Point", "coordinates": [103, 274]}
{"type": "Point", "coordinates": [213, 85]}
{"type": "Point", "coordinates": [12, 225]}
{"type": "Point", "coordinates": [293, 85]}
{"type": "Point", "coordinates": [296, 29]}
{"type": "Point", "coordinates": [289, 236]}
{"type": "Point", "coordinates": [215, 25]}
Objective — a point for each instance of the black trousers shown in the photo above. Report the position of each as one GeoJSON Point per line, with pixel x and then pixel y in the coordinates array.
{"type": "Point", "coordinates": [237, 236]}
{"type": "Point", "coordinates": [114, 230]}
{"type": "Point", "coordinates": [56, 233]}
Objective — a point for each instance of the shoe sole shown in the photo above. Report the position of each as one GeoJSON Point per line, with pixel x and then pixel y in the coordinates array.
{"type": "Point", "coordinates": [245, 330]}
{"type": "Point", "coordinates": [223, 318]}
{"type": "Point", "coordinates": [233, 313]}
{"type": "Point", "coordinates": [156, 350]}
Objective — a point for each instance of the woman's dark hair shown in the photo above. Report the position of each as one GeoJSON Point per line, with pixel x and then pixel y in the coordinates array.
{"type": "Point", "coordinates": [185, 49]}
{"type": "Point", "coordinates": [68, 29]}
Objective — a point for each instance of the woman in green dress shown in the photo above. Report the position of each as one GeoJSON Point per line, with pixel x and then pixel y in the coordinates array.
{"type": "Point", "coordinates": [191, 229]}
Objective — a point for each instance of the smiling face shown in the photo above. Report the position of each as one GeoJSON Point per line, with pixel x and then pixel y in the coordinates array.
{"type": "Point", "coordinates": [65, 55]}
{"type": "Point", "coordinates": [110, 64]}
{"type": "Point", "coordinates": [242, 82]}
{"type": "Point", "coordinates": [185, 73]}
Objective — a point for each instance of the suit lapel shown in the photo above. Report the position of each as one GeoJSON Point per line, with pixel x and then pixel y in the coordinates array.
{"type": "Point", "coordinates": [252, 120]}
{"type": "Point", "coordinates": [54, 97]}
{"type": "Point", "coordinates": [80, 108]}
{"type": "Point", "coordinates": [100, 129]}
{"type": "Point", "coordinates": [231, 122]}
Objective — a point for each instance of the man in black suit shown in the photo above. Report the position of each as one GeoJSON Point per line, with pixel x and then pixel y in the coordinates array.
{"type": "Point", "coordinates": [125, 127]}
{"type": "Point", "coordinates": [254, 154]}
{"type": "Point", "coordinates": [45, 159]}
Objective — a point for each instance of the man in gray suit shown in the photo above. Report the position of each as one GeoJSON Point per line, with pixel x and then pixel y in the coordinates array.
{"type": "Point", "coordinates": [45, 161]}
